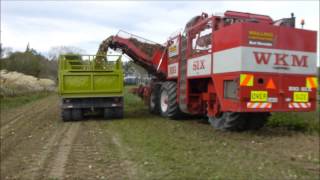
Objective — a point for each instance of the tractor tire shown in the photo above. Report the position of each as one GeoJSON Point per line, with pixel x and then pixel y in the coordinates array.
{"type": "Point", "coordinates": [76, 114]}
{"type": "Point", "coordinates": [169, 106]}
{"type": "Point", "coordinates": [66, 115]}
{"type": "Point", "coordinates": [154, 100]}
{"type": "Point", "coordinates": [256, 121]}
{"type": "Point", "coordinates": [229, 121]}
{"type": "Point", "coordinates": [107, 113]}
{"type": "Point", "coordinates": [118, 113]}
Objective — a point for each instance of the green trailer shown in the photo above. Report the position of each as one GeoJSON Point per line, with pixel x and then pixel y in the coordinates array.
{"type": "Point", "coordinates": [90, 84]}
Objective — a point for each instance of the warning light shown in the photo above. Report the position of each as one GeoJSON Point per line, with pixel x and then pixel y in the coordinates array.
{"type": "Point", "coordinates": [270, 84]}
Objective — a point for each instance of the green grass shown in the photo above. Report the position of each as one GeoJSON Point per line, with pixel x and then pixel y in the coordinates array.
{"type": "Point", "coordinates": [16, 101]}
{"type": "Point", "coordinates": [132, 102]}
{"type": "Point", "coordinates": [168, 149]}
{"type": "Point", "coordinates": [298, 121]}
{"type": "Point", "coordinates": [164, 149]}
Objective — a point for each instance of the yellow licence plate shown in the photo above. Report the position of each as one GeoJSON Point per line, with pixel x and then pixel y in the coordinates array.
{"type": "Point", "coordinates": [300, 97]}
{"type": "Point", "coordinates": [260, 96]}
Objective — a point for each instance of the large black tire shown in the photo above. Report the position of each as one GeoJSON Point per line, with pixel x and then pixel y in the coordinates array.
{"type": "Point", "coordinates": [76, 114]}
{"type": "Point", "coordinates": [169, 106]}
{"type": "Point", "coordinates": [107, 113]}
{"type": "Point", "coordinates": [256, 121]}
{"type": "Point", "coordinates": [66, 115]}
{"type": "Point", "coordinates": [154, 100]}
{"type": "Point", "coordinates": [118, 113]}
{"type": "Point", "coordinates": [229, 121]}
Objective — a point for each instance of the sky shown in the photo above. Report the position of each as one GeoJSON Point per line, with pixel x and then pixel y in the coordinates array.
{"type": "Point", "coordinates": [84, 24]}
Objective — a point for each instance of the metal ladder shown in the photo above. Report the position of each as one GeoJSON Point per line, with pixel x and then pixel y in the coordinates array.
{"type": "Point", "coordinates": [183, 77]}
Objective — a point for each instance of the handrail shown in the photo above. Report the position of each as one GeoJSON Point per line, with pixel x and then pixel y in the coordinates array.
{"type": "Point", "coordinates": [136, 36]}
{"type": "Point", "coordinates": [88, 63]}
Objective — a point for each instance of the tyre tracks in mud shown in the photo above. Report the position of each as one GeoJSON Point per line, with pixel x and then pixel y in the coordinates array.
{"type": "Point", "coordinates": [20, 118]}
{"type": "Point", "coordinates": [39, 164]}
{"type": "Point", "coordinates": [123, 151]}
{"type": "Point", "coordinates": [24, 127]}
{"type": "Point", "coordinates": [57, 168]}
{"type": "Point", "coordinates": [23, 135]}
{"type": "Point", "coordinates": [36, 144]}
{"type": "Point", "coordinates": [50, 160]}
{"type": "Point", "coordinates": [10, 117]}
{"type": "Point", "coordinates": [96, 155]}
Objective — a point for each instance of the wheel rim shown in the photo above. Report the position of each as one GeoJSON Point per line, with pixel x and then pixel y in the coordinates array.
{"type": "Point", "coordinates": [164, 101]}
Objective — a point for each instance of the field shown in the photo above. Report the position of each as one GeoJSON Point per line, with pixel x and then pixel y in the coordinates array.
{"type": "Point", "coordinates": [36, 144]}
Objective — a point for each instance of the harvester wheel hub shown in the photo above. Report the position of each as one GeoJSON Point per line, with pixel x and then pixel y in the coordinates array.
{"type": "Point", "coordinates": [164, 101]}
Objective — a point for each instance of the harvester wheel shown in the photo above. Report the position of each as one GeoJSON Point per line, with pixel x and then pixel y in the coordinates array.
{"type": "Point", "coordinates": [154, 100]}
{"type": "Point", "coordinates": [76, 114]}
{"type": "Point", "coordinates": [168, 100]}
{"type": "Point", "coordinates": [230, 121]}
{"type": "Point", "coordinates": [256, 121]}
{"type": "Point", "coordinates": [66, 115]}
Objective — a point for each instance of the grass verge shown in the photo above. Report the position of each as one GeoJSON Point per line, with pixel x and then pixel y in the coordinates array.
{"type": "Point", "coordinates": [298, 121]}
{"type": "Point", "coordinates": [16, 101]}
{"type": "Point", "coordinates": [167, 149]}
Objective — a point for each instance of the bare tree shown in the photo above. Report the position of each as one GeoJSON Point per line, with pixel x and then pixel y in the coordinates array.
{"type": "Point", "coordinates": [57, 50]}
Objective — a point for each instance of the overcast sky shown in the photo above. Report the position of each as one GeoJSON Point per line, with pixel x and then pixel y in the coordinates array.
{"type": "Point", "coordinates": [85, 24]}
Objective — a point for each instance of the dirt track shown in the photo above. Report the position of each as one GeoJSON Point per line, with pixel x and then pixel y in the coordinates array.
{"type": "Point", "coordinates": [36, 144]}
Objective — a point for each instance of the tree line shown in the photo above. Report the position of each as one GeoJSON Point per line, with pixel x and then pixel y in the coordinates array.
{"type": "Point", "coordinates": [33, 63]}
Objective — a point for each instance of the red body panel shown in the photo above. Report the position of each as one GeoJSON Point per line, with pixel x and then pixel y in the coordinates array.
{"type": "Point", "coordinates": [239, 47]}
{"type": "Point", "coordinates": [160, 61]}
{"type": "Point", "coordinates": [284, 38]}
{"type": "Point", "coordinates": [281, 92]}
